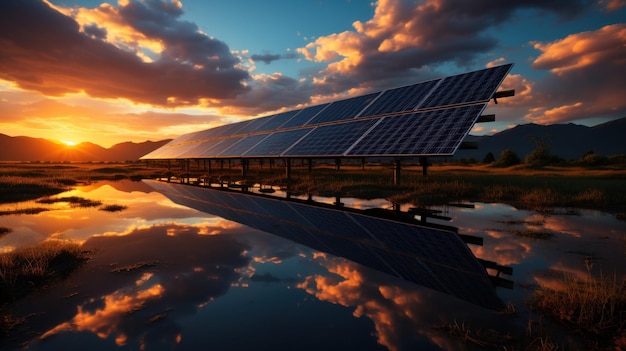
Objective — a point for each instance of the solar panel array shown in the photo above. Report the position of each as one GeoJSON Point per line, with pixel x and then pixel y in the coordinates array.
{"type": "Point", "coordinates": [432, 257]}
{"type": "Point", "coordinates": [425, 119]}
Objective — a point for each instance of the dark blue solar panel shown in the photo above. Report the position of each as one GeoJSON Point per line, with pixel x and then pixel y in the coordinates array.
{"type": "Point", "coordinates": [331, 140]}
{"type": "Point", "coordinates": [304, 116]}
{"type": "Point", "coordinates": [343, 109]}
{"type": "Point", "coordinates": [423, 133]}
{"type": "Point", "coordinates": [216, 147]}
{"type": "Point", "coordinates": [477, 86]}
{"type": "Point", "coordinates": [277, 121]}
{"type": "Point", "coordinates": [276, 143]}
{"type": "Point", "coordinates": [399, 99]}
{"type": "Point", "coordinates": [244, 145]}
{"type": "Point", "coordinates": [254, 125]}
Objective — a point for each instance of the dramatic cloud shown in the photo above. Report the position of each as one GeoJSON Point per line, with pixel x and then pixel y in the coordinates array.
{"type": "Point", "coordinates": [46, 51]}
{"type": "Point", "coordinates": [405, 35]}
{"type": "Point", "coordinates": [585, 79]}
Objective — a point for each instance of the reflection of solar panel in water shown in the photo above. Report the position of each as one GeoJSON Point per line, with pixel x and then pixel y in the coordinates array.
{"type": "Point", "coordinates": [432, 257]}
{"type": "Point", "coordinates": [330, 140]}
{"type": "Point", "coordinates": [399, 99]}
{"type": "Point", "coordinates": [343, 109]}
{"type": "Point", "coordinates": [276, 143]}
{"type": "Point", "coordinates": [425, 133]}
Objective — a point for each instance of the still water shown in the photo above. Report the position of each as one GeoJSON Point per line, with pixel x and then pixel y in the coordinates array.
{"type": "Point", "coordinates": [166, 276]}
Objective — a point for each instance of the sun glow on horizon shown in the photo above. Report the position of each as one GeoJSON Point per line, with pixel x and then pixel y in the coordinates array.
{"type": "Point", "coordinates": [69, 142]}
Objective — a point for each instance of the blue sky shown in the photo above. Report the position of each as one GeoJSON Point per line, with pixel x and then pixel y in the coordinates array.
{"type": "Point", "coordinates": [138, 70]}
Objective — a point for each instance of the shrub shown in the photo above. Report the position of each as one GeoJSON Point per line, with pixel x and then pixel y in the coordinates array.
{"type": "Point", "coordinates": [507, 158]}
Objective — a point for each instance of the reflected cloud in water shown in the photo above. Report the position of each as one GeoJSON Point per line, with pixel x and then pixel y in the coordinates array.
{"type": "Point", "coordinates": [165, 276]}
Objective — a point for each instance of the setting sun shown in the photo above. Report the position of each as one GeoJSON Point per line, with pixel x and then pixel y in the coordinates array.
{"type": "Point", "coordinates": [68, 142]}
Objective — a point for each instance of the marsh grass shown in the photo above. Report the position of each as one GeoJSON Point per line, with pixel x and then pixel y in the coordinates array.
{"type": "Point", "coordinates": [28, 181]}
{"type": "Point", "coordinates": [31, 210]}
{"type": "Point", "coordinates": [534, 337]}
{"type": "Point", "coordinates": [4, 231]}
{"type": "Point", "coordinates": [592, 307]}
{"type": "Point", "coordinates": [529, 188]}
{"type": "Point", "coordinates": [533, 234]}
{"type": "Point", "coordinates": [75, 201]}
{"type": "Point", "coordinates": [28, 268]}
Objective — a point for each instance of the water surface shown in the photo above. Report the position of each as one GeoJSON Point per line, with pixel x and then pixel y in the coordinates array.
{"type": "Point", "coordinates": [164, 276]}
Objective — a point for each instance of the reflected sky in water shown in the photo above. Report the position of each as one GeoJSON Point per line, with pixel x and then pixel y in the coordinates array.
{"type": "Point", "coordinates": [163, 276]}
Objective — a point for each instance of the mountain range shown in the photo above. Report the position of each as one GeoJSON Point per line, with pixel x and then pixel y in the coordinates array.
{"type": "Point", "coordinates": [568, 141]}
{"type": "Point", "coordinates": [22, 148]}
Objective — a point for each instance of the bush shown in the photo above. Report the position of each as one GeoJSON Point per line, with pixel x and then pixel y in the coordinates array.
{"type": "Point", "coordinates": [507, 158]}
{"type": "Point", "coordinates": [489, 158]}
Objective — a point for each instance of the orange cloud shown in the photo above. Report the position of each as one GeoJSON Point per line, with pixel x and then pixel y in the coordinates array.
{"type": "Point", "coordinates": [158, 60]}
{"type": "Point", "coordinates": [583, 49]}
{"type": "Point", "coordinates": [106, 321]}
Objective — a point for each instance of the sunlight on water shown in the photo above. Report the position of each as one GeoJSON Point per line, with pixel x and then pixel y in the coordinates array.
{"type": "Point", "coordinates": [164, 275]}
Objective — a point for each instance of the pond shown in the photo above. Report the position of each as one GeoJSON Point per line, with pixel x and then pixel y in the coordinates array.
{"type": "Point", "coordinates": [164, 275]}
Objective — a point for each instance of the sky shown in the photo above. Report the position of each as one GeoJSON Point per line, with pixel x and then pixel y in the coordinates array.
{"type": "Point", "coordinates": [136, 70]}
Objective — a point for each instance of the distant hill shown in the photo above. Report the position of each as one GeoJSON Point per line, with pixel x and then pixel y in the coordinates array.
{"type": "Point", "coordinates": [23, 148]}
{"type": "Point", "coordinates": [568, 141]}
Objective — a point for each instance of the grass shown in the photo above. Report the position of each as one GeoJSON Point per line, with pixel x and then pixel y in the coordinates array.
{"type": "Point", "coordinates": [593, 307]}
{"type": "Point", "coordinates": [532, 234]}
{"type": "Point", "coordinates": [31, 210]}
{"type": "Point", "coordinates": [522, 187]}
{"type": "Point", "coordinates": [4, 231]}
{"type": "Point", "coordinates": [26, 269]}
{"type": "Point", "coordinates": [72, 200]}
{"type": "Point", "coordinates": [28, 181]}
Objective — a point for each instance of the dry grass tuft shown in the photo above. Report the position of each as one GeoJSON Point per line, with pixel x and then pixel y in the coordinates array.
{"type": "Point", "coordinates": [591, 306]}
{"type": "Point", "coordinates": [27, 268]}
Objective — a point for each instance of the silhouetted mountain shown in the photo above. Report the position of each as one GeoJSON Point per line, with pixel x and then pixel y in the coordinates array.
{"type": "Point", "coordinates": [23, 148]}
{"type": "Point", "coordinates": [568, 141]}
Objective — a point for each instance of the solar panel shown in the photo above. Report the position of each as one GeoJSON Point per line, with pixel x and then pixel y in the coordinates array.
{"type": "Point", "coordinates": [278, 121]}
{"type": "Point", "coordinates": [243, 145]}
{"type": "Point", "coordinates": [276, 143]}
{"type": "Point", "coordinates": [421, 133]}
{"type": "Point", "coordinates": [304, 116]}
{"type": "Point", "coordinates": [331, 140]}
{"type": "Point", "coordinates": [400, 99]}
{"type": "Point", "coordinates": [343, 109]}
{"type": "Point", "coordinates": [217, 147]}
{"type": "Point", "coordinates": [477, 86]}
{"type": "Point", "coordinates": [423, 119]}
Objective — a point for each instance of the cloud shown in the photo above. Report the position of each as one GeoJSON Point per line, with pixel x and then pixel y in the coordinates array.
{"type": "Point", "coordinates": [269, 58]}
{"type": "Point", "coordinates": [405, 36]}
{"type": "Point", "coordinates": [584, 79]}
{"type": "Point", "coordinates": [46, 51]}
